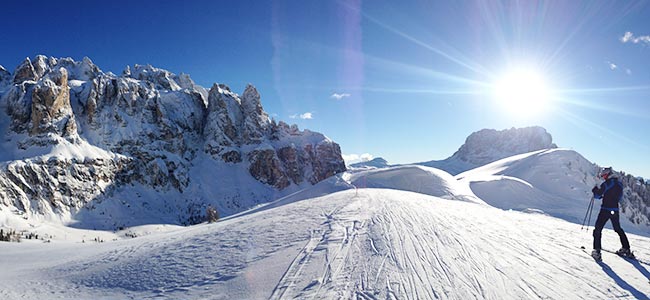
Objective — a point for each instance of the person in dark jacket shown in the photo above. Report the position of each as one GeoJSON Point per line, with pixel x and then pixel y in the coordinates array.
{"type": "Point", "coordinates": [611, 192]}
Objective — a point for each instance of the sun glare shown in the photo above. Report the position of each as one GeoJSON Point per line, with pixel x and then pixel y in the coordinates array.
{"type": "Point", "coordinates": [522, 92]}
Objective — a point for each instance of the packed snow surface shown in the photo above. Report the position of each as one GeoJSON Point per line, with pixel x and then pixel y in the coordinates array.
{"type": "Point", "coordinates": [355, 243]}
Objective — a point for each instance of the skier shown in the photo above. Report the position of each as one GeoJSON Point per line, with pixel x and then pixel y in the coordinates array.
{"type": "Point", "coordinates": [611, 192]}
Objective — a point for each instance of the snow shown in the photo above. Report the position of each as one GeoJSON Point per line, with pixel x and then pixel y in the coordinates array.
{"type": "Point", "coordinates": [62, 149]}
{"type": "Point", "coordinates": [415, 178]}
{"type": "Point", "coordinates": [363, 244]}
{"type": "Point", "coordinates": [555, 181]}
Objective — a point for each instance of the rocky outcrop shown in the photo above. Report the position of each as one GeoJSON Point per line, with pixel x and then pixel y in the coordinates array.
{"type": "Point", "coordinates": [489, 145]}
{"type": "Point", "coordinates": [59, 186]}
{"type": "Point", "coordinates": [266, 167]}
{"type": "Point", "coordinates": [25, 72]}
{"type": "Point", "coordinates": [51, 111]}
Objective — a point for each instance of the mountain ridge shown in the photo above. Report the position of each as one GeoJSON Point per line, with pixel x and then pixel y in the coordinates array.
{"type": "Point", "coordinates": [156, 128]}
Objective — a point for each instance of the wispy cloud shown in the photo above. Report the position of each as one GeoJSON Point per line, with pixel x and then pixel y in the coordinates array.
{"type": "Point", "coordinates": [612, 66]}
{"type": "Point", "coordinates": [305, 116]}
{"type": "Point", "coordinates": [355, 158]}
{"type": "Point", "coordinates": [629, 37]}
{"type": "Point", "coordinates": [617, 68]}
{"type": "Point", "coordinates": [338, 96]}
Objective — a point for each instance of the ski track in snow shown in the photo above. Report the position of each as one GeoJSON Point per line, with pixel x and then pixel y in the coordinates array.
{"type": "Point", "coordinates": [364, 244]}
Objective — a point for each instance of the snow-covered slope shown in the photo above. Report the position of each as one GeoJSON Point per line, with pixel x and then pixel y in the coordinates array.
{"type": "Point", "coordinates": [363, 244]}
{"type": "Point", "coordinates": [555, 181]}
{"type": "Point", "coordinates": [488, 145]}
{"type": "Point", "coordinates": [414, 178]}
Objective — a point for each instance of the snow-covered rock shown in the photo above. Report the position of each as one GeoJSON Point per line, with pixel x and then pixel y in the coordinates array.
{"type": "Point", "coordinates": [488, 145]}
{"type": "Point", "coordinates": [162, 127]}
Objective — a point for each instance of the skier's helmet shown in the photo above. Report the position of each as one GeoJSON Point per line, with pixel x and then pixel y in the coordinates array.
{"type": "Point", "coordinates": [606, 173]}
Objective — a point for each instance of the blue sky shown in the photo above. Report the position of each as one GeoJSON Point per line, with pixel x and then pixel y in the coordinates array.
{"type": "Point", "coordinates": [407, 80]}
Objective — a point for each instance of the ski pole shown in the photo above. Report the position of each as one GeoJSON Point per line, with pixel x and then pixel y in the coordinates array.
{"type": "Point", "coordinates": [590, 211]}
{"type": "Point", "coordinates": [589, 208]}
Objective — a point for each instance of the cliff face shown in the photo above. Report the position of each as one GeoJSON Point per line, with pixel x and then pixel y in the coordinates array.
{"type": "Point", "coordinates": [76, 137]}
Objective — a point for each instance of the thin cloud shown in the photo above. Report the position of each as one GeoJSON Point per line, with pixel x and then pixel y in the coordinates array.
{"type": "Point", "coordinates": [338, 96]}
{"type": "Point", "coordinates": [629, 37]}
{"type": "Point", "coordinates": [305, 116]}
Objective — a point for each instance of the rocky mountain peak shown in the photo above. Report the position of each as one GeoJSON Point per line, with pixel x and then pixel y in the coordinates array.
{"type": "Point", "coordinates": [150, 128]}
{"type": "Point", "coordinates": [162, 78]}
{"type": "Point", "coordinates": [488, 145]}
{"type": "Point", "coordinates": [41, 65]}
{"type": "Point", "coordinates": [25, 71]}
{"type": "Point", "coordinates": [51, 111]}
{"type": "Point", "coordinates": [251, 102]}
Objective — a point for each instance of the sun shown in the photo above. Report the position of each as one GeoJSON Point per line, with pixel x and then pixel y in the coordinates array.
{"type": "Point", "coordinates": [522, 92]}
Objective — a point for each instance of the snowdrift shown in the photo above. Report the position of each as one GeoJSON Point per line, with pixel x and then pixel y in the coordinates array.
{"type": "Point", "coordinates": [413, 178]}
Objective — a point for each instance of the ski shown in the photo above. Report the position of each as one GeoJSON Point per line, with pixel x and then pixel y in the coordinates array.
{"type": "Point", "coordinates": [598, 259]}
{"type": "Point", "coordinates": [630, 258]}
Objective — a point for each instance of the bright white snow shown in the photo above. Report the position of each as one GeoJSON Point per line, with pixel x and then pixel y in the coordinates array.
{"type": "Point", "coordinates": [363, 244]}
{"type": "Point", "coordinates": [557, 182]}
{"type": "Point", "coordinates": [407, 232]}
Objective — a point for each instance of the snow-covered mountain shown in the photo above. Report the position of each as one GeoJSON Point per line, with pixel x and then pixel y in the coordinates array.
{"type": "Point", "coordinates": [557, 182]}
{"type": "Point", "coordinates": [375, 163]}
{"type": "Point", "coordinates": [348, 244]}
{"type": "Point", "coordinates": [488, 145]}
{"type": "Point", "coordinates": [148, 146]}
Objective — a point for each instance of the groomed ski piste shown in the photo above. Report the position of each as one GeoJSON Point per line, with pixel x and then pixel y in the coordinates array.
{"type": "Point", "coordinates": [398, 233]}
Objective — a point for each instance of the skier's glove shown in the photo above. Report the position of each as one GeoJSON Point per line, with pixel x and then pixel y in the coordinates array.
{"type": "Point", "coordinates": [594, 189]}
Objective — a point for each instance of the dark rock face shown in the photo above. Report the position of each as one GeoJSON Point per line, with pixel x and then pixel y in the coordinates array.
{"type": "Point", "coordinates": [51, 111]}
{"type": "Point", "coordinates": [324, 160]}
{"type": "Point", "coordinates": [266, 167]}
{"type": "Point", "coordinates": [25, 72]}
{"type": "Point", "coordinates": [293, 162]}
